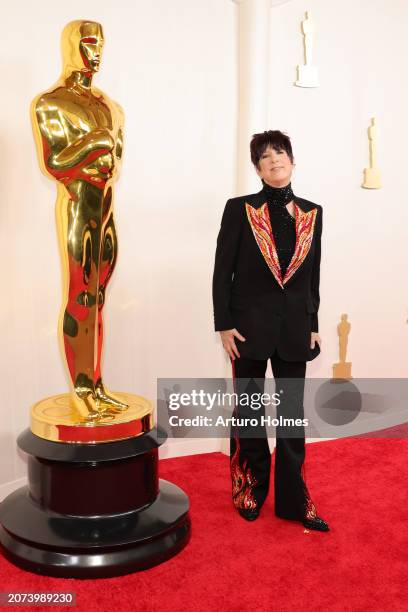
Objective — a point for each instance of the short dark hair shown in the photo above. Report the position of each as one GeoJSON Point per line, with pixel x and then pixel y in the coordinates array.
{"type": "Point", "coordinates": [274, 138]}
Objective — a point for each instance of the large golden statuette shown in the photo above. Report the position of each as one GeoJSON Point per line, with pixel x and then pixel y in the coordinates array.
{"type": "Point", "coordinates": [79, 137]}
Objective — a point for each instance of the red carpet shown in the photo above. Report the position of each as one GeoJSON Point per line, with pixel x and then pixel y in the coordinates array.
{"type": "Point", "coordinates": [359, 487]}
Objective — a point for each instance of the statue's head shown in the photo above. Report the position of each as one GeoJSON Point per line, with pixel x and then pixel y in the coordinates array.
{"type": "Point", "coordinates": [82, 43]}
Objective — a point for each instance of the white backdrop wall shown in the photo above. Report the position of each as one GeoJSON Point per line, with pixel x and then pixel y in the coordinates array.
{"type": "Point", "coordinates": [360, 48]}
{"type": "Point", "coordinates": [173, 67]}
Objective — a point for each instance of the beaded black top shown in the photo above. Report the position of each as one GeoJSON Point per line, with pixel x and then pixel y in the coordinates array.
{"type": "Point", "coordinates": [283, 224]}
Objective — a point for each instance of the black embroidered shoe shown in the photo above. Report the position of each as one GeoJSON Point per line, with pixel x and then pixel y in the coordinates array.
{"type": "Point", "coordinates": [316, 523]}
{"type": "Point", "coordinates": [249, 515]}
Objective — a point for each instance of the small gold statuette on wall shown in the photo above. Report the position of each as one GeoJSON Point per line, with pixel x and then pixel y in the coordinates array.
{"type": "Point", "coordinates": [372, 178]}
{"type": "Point", "coordinates": [307, 73]}
{"type": "Point", "coordinates": [342, 370]}
{"type": "Point", "coordinates": [79, 136]}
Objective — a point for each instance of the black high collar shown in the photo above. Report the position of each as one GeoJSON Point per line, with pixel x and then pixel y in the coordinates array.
{"type": "Point", "coordinates": [279, 196]}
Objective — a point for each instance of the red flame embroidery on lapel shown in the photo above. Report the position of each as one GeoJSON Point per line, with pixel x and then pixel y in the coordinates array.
{"type": "Point", "coordinates": [305, 222]}
{"type": "Point", "coordinates": [262, 229]}
{"type": "Point", "coordinates": [261, 226]}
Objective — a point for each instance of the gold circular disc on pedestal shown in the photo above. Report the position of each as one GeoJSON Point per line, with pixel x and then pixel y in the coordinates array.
{"type": "Point", "coordinates": [54, 419]}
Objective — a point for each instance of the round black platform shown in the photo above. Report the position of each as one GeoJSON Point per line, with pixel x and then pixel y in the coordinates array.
{"type": "Point", "coordinates": [93, 511]}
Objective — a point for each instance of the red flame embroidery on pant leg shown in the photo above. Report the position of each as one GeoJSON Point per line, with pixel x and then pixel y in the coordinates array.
{"type": "Point", "coordinates": [310, 511]}
{"type": "Point", "coordinates": [242, 478]}
{"type": "Point", "coordinates": [243, 481]}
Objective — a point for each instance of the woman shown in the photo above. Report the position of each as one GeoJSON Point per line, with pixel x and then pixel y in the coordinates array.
{"type": "Point", "coordinates": [266, 299]}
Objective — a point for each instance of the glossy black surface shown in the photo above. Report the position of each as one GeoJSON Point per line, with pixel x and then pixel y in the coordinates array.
{"type": "Point", "coordinates": [248, 515]}
{"type": "Point", "coordinates": [316, 523]}
{"type": "Point", "coordinates": [22, 517]}
{"type": "Point", "coordinates": [94, 547]}
{"type": "Point", "coordinates": [93, 511]}
{"type": "Point", "coordinates": [94, 488]}
{"type": "Point", "coordinates": [106, 451]}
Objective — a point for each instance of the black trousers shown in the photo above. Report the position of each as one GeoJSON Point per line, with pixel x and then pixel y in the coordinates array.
{"type": "Point", "coordinates": [250, 457]}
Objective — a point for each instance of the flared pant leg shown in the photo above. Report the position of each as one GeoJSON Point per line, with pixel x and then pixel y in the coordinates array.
{"type": "Point", "coordinates": [292, 498]}
{"type": "Point", "coordinates": [250, 457]}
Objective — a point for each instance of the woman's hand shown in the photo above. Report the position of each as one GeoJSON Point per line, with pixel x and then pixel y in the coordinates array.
{"type": "Point", "coordinates": [314, 337]}
{"type": "Point", "coordinates": [228, 342]}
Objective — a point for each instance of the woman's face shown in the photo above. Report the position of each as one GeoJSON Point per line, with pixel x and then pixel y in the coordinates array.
{"type": "Point", "coordinates": [275, 167]}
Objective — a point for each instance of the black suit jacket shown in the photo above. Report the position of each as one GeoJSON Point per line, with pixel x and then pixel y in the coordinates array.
{"type": "Point", "coordinates": [248, 290]}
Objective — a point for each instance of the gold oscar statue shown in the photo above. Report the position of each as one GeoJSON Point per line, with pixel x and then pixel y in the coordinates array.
{"type": "Point", "coordinates": [342, 370]}
{"type": "Point", "coordinates": [79, 135]}
{"type": "Point", "coordinates": [94, 505]}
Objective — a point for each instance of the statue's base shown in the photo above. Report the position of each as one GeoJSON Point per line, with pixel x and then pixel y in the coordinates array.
{"type": "Point", "coordinates": [93, 511]}
{"type": "Point", "coordinates": [53, 418]}
{"type": "Point", "coordinates": [372, 179]}
{"type": "Point", "coordinates": [307, 76]}
{"type": "Point", "coordinates": [342, 371]}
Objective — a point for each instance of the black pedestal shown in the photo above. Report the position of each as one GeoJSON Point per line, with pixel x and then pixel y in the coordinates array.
{"type": "Point", "coordinates": [93, 510]}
